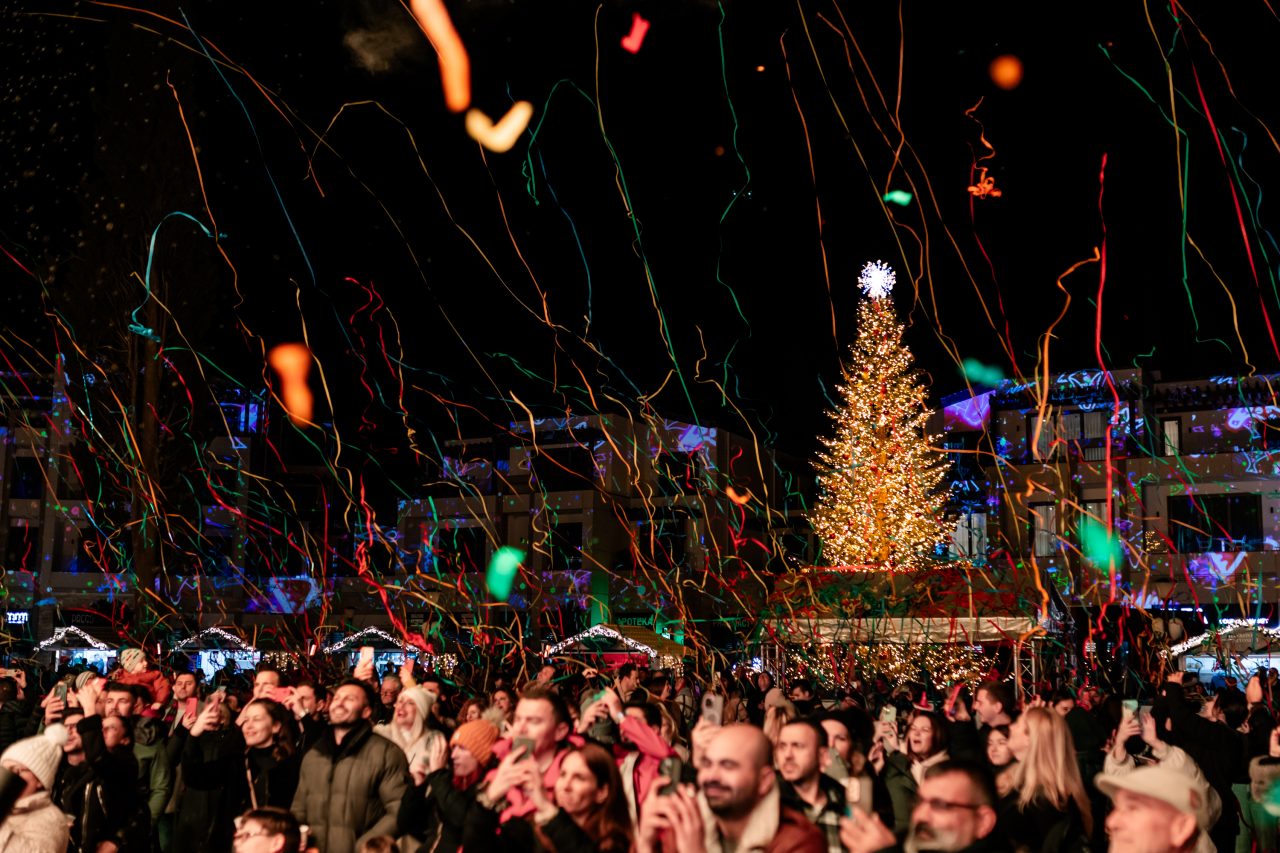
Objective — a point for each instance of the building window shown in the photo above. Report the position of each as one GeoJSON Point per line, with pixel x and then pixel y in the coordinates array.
{"type": "Point", "coordinates": [1044, 529]}
{"type": "Point", "coordinates": [1095, 424]}
{"type": "Point", "coordinates": [1172, 429]}
{"type": "Point", "coordinates": [28, 479]}
{"type": "Point", "coordinates": [1070, 428]}
{"type": "Point", "coordinates": [1041, 432]}
{"type": "Point", "coordinates": [1203, 524]}
{"type": "Point", "coordinates": [566, 547]}
{"type": "Point", "coordinates": [564, 469]}
{"type": "Point", "coordinates": [458, 549]}
{"type": "Point", "coordinates": [23, 548]}
{"type": "Point", "coordinates": [969, 539]}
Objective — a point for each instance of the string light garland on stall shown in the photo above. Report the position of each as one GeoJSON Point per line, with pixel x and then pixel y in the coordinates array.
{"type": "Point", "coordinates": [835, 664]}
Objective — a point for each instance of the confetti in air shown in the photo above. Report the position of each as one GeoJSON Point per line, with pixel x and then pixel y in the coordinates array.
{"type": "Point", "coordinates": [292, 362]}
{"type": "Point", "coordinates": [632, 41]}
{"type": "Point", "coordinates": [503, 569]}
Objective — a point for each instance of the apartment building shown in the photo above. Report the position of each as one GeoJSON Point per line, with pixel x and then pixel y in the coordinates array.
{"type": "Point", "coordinates": [1120, 486]}
{"type": "Point", "coordinates": [660, 524]}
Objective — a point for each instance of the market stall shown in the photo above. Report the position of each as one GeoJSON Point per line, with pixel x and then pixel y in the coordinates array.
{"type": "Point", "coordinates": [389, 652]}
{"type": "Point", "coordinates": [611, 646]}
{"type": "Point", "coordinates": [940, 622]}
{"type": "Point", "coordinates": [212, 649]}
{"type": "Point", "coordinates": [75, 647]}
{"type": "Point", "coordinates": [1236, 647]}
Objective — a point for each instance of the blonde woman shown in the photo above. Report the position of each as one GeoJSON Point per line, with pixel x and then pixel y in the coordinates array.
{"type": "Point", "coordinates": [1043, 805]}
{"type": "Point", "coordinates": [409, 728]}
{"type": "Point", "coordinates": [778, 711]}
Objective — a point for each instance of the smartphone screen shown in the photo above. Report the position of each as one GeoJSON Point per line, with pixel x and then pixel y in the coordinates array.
{"type": "Point", "coordinates": [366, 655]}
{"type": "Point", "coordinates": [523, 744]}
{"type": "Point", "coordinates": [836, 767]}
{"type": "Point", "coordinates": [672, 769]}
{"type": "Point", "coordinates": [713, 709]}
{"type": "Point", "coordinates": [61, 691]}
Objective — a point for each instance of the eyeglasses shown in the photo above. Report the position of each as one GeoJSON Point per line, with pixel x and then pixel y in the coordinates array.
{"type": "Point", "coordinates": [937, 805]}
{"type": "Point", "coordinates": [242, 836]}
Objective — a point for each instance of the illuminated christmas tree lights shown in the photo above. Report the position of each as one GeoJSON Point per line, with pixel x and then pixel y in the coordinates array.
{"type": "Point", "coordinates": [879, 504]}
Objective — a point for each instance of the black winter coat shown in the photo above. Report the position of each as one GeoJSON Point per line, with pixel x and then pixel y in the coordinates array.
{"type": "Point", "coordinates": [101, 795]}
{"type": "Point", "coordinates": [435, 811]}
{"type": "Point", "coordinates": [217, 771]}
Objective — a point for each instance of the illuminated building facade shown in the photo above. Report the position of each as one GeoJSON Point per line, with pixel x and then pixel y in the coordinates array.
{"type": "Point", "coordinates": [1179, 477]}
{"type": "Point", "coordinates": [651, 523]}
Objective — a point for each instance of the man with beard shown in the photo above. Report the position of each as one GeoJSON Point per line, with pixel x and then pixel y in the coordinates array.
{"type": "Point", "coordinates": [799, 756]}
{"type": "Point", "coordinates": [739, 806]}
{"type": "Point", "coordinates": [96, 782]}
{"type": "Point", "coordinates": [352, 780]}
{"type": "Point", "coordinates": [955, 813]}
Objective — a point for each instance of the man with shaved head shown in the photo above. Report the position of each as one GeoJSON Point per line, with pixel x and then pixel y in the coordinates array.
{"type": "Point", "coordinates": [738, 806]}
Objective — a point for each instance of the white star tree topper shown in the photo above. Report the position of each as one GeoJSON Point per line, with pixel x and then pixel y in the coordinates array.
{"type": "Point", "coordinates": [877, 279]}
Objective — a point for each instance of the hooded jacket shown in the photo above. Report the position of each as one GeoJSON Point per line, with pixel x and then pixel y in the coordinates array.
{"type": "Point", "coordinates": [350, 792]}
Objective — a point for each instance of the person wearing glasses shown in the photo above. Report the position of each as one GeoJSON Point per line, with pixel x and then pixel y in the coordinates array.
{"type": "Point", "coordinates": [954, 812]}
{"type": "Point", "coordinates": [267, 830]}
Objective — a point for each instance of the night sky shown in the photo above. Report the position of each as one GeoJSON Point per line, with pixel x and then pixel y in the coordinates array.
{"type": "Point", "coordinates": [680, 243]}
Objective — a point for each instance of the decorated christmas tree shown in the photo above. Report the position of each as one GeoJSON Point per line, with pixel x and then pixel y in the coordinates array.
{"type": "Point", "coordinates": [879, 501]}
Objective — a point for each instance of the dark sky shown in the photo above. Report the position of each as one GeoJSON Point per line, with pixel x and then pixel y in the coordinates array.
{"type": "Point", "coordinates": [684, 237]}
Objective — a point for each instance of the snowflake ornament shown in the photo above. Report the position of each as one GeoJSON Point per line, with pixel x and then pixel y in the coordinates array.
{"type": "Point", "coordinates": [877, 279]}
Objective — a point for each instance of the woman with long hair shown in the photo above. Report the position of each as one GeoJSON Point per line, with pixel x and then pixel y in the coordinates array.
{"type": "Point", "coordinates": [586, 812]}
{"type": "Point", "coordinates": [778, 712]}
{"type": "Point", "coordinates": [589, 792]}
{"type": "Point", "coordinates": [234, 768]}
{"type": "Point", "coordinates": [906, 762]}
{"type": "Point", "coordinates": [410, 727]}
{"type": "Point", "coordinates": [471, 710]}
{"type": "Point", "coordinates": [996, 749]}
{"type": "Point", "coordinates": [1043, 804]}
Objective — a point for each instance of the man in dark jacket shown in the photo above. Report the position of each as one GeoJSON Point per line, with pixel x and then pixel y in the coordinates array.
{"type": "Point", "coordinates": [352, 780]}
{"type": "Point", "coordinates": [799, 755]}
{"type": "Point", "coordinates": [96, 783]}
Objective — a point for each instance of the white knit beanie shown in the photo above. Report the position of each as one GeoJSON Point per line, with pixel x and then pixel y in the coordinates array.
{"type": "Point", "coordinates": [40, 754]}
{"type": "Point", "coordinates": [421, 697]}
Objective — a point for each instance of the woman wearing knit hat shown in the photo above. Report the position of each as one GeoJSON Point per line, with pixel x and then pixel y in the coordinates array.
{"type": "Point", "coordinates": [434, 808]}
{"type": "Point", "coordinates": [36, 825]}
{"type": "Point", "coordinates": [408, 728]}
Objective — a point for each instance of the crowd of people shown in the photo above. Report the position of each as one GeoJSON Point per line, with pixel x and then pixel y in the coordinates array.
{"type": "Point", "coordinates": [630, 759]}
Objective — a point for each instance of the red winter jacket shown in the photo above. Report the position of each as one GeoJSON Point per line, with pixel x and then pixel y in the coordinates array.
{"type": "Point", "coordinates": [150, 679]}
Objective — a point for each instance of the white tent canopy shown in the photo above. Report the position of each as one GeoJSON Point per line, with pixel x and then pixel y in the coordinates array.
{"type": "Point", "coordinates": [218, 638]}
{"type": "Point", "coordinates": [72, 637]}
{"type": "Point", "coordinates": [370, 636]}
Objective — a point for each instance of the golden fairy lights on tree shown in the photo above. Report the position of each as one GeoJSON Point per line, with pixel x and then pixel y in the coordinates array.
{"type": "Point", "coordinates": [879, 503]}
